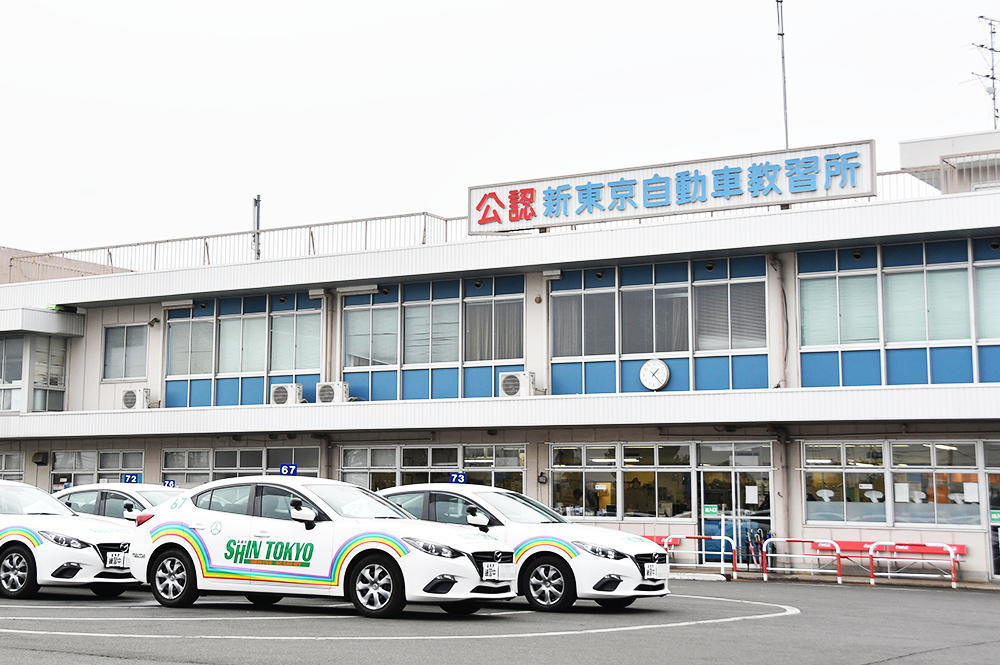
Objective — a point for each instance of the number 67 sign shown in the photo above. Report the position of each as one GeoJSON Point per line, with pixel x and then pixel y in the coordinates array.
{"type": "Point", "coordinates": [289, 470]}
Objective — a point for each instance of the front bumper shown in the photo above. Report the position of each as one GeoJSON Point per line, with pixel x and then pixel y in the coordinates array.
{"type": "Point", "coordinates": [617, 578]}
{"type": "Point", "coordinates": [64, 566]}
{"type": "Point", "coordinates": [433, 579]}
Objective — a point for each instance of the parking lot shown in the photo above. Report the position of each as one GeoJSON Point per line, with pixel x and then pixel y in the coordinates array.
{"type": "Point", "coordinates": [710, 622]}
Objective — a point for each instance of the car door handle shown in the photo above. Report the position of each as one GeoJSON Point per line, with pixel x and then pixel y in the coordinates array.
{"type": "Point", "coordinates": [198, 527]}
{"type": "Point", "coordinates": [262, 534]}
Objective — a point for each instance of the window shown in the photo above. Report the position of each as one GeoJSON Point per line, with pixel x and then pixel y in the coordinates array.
{"type": "Point", "coordinates": [189, 346]}
{"type": "Point", "coordinates": [650, 480]}
{"type": "Point", "coordinates": [730, 316]}
{"type": "Point", "coordinates": [295, 342]}
{"type": "Point", "coordinates": [276, 503]}
{"type": "Point", "coordinates": [654, 320]}
{"type": "Point", "coordinates": [583, 313]}
{"type": "Point", "coordinates": [12, 466]}
{"type": "Point", "coordinates": [845, 482]}
{"type": "Point", "coordinates": [11, 363]}
{"type": "Point", "coordinates": [125, 352]}
{"type": "Point", "coordinates": [235, 463]}
{"type": "Point", "coordinates": [306, 460]}
{"type": "Point", "coordinates": [234, 499]}
{"type": "Point", "coordinates": [371, 331]}
{"type": "Point", "coordinates": [839, 310]}
{"type": "Point", "coordinates": [187, 468]}
{"type": "Point", "coordinates": [935, 482]}
{"type": "Point", "coordinates": [72, 468]}
{"type": "Point", "coordinates": [84, 502]}
{"type": "Point", "coordinates": [49, 375]}
{"type": "Point", "coordinates": [494, 328]}
{"type": "Point", "coordinates": [382, 467]}
{"type": "Point", "coordinates": [430, 333]}
{"type": "Point", "coordinates": [113, 464]}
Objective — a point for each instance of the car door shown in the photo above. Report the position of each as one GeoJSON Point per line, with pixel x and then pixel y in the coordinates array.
{"type": "Point", "coordinates": [288, 557]}
{"type": "Point", "coordinates": [450, 508]}
{"type": "Point", "coordinates": [113, 504]}
{"type": "Point", "coordinates": [221, 519]}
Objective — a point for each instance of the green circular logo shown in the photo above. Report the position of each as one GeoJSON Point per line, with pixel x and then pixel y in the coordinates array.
{"type": "Point", "coordinates": [216, 528]}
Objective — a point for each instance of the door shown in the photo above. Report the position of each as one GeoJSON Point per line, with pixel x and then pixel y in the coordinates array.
{"type": "Point", "coordinates": [741, 500]}
{"type": "Point", "coordinates": [221, 519]}
{"type": "Point", "coordinates": [288, 557]}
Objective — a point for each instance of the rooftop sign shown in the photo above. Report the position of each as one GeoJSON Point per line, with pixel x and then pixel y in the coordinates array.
{"type": "Point", "coordinates": [792, 176]}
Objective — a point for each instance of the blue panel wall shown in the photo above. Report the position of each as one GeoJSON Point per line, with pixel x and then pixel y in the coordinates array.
{"type": "Point", "coordinates": [720, 270]}
{"type": "Point", "coordinates": [303, 301]}
{"type": "Point", "coordinates": [204, 308]}
{"type": "Point", "coordinates": [868, 258]}
{"type": "Point", "coordinates": [503, 368]}
{"type": "Point", "coordinates": [862, 368]}
{"type": "Point", "coordinates": [981, 250]}
{"type": "Point", "coordinates": [906, 366]}
{"type": "Point", "coordinates": [989, 364]}
{"type": "Point", "coordinates": [282, 302]}
{"type": "Point", "coordinates": [635, 275]}
{"type": "Point", "coordinates": [478, 381]}
{"type": "Point", "coordinates": [630, 374]}
{"type": "Point", "coordinates": [357, 385]}
{"type": "Point", "coordinates": [951, 365]}
{"type": "Point", "coordinates": [357, 300]}
{"type": "Point", "coordinates": [820, 369]}
{"type": "Point", "coordinates": [669, 273]}
{"type": "Point", "coordinates": [711, 373]}
{"type": "Point", "coordinates": [308, 382]}
{"type": "Point", "coordinates": [747, 266]}
{"type": "Point", "coordinates": [599, 278]}
{"type": "Point", "coordinates": [570, 280]}
{"type": "Point", "coordinates": [824, 261]}
{"type": "Point", "coordinates": [392, 295]}
{"type": "Point", "coordinates": [600, 377]}
{"type": "Point", "coordinates": [416, 384]}
{"type": "Point", "coordinates": [485, 287]}
{"type": "Point", "coordinates": [902, 255]}
{"type": "Point", "coordinates": [177, 394]}
{"type": "Point", "coordinates": [227, 392]}
{"type": "Point", "coordinates": [567, 379]}
{"type": "Point", "coordinates": [201, 393]}
{"type": "Point", "coordinates": [950, 251]}
{"type": "Point", "coordinates": [278, 379]}
{"type": "Point", "coordinates": [509, 284]}
{"type": "Point", "coordinates": [230, 306]}
{"type": "Point", "coordinates": [443, 290]}
{"type": "Point", "coordinates": [253, 390]}
{"type": "Point", "coordinates": [416, 292]}
{"type": "Point", "coordinates": [680, 374]}
{"type": "Point", "coordinates": [749, 372]}
{"type": "Point", "coordinates": [444, 383]}
{"type": "Point", "coordinates": [383, 386]}
{"type": "Point", "coordinates": [254, 304]}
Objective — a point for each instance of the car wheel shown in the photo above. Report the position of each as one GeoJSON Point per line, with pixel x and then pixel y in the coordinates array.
{"type": "Point", "coordinates": [376, 587]}
{"type": "Point", "coordinates": [263, 599]}
{"type": "Point", "coordinates": [174, 583]}
{"type": "Point", "coordinates": [548, 584]}
{"type": "Point", "coordinates": [17, 573]}
{"type": "Point", "coordinates": [462, 607]}
{"type": "Point", "coordinates": [615, 603]}
{"type": "Point", "coordinates": [109, 590]}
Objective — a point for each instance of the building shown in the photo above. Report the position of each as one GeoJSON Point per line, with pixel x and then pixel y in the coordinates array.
{"type": "Point", "coordinates": [788, 339]}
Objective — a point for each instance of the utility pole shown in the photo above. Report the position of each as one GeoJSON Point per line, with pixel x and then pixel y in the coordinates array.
{"type": "Point", "coordinates": [990, 79]}
{"type": "Point", "coordinates": [784, 92]}
{"type": "Point", "coordinates": [256, 228]}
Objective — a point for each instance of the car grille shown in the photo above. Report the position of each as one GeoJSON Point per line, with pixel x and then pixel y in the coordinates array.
{"type": "Point", "coordinates": [654, 557]}
{"type": "Point", "coordinates": [479, 558]}
{"type": "Point", "coordinates": [104, 548]}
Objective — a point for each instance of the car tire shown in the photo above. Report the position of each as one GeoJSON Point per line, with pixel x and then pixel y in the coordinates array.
{"type": "Point", "coordinates": [615, 603]}
{"type": "Point", "coordinates": [263, 599]}
{"type": "Point", "coordinates": [109, 590]}
{"type": "Point", "coordinates": [376, 586]}
{"type": "Point", "coordinates": [18, 577]}
{"type": "Point", "coordinates": [462, 607]}
{"type": "Point", "coordinates": [548, 584]}
{"type": "Point", "coordinates": [174, 582]}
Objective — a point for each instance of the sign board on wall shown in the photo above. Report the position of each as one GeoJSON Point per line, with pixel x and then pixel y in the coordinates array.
{"type": "Point", "coordinates": [790, 176]}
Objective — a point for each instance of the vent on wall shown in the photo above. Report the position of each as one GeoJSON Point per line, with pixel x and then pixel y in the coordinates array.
{"type": "Point", "coordinates": [336, 391]}
{"type": "Point", "coordinates": [286, 394]}
{"type": "Point", "coordinates": [135, 398]}
{"type": "Point", "coordinates": [517, 384]}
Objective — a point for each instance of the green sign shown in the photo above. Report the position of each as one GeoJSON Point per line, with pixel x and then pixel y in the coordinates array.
{"type": "Point", "coordinates": [995, 517]}
{"type": "Point", "coordinates": [712, 510]}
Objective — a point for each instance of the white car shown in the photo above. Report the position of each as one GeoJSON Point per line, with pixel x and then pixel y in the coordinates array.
{"type": "Point", "coordinates": [44, 543]}
{"type": "Point", "coordinates": [113, 499]}
{"type": "Point", "coordinates": [266, 537]}
{"type": "Point", "coordinates": [557, 561]}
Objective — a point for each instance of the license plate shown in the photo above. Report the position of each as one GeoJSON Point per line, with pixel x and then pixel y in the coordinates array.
{"type": "Point", "coordinates": [491, 570]}
{"type": "Point", "coordinates": [506, 572]}
{"type": "Point", "coordinates": [655, 571]}
{"type": "Point", "coordinates": [115, 559]}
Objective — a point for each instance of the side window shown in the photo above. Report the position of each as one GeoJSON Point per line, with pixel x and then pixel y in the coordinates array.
{"type": "Point", "coordinates": [231, 499]}
{"type": "Point", "coordinates": [275, 503]}
{"type": "Point", "coordinates": [203, 500]}
{"type": "Point", "coordinates": [83, 502]}
{"type": "Point", "coordinates": [412, 502]}
{"type": "Point", "coordinates": [114, 504]}
{"type": "Point", "coordinates": [450, 509]}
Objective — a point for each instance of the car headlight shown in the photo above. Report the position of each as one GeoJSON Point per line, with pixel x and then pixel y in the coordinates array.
{"type": "Point", "coordinates": [65, 541]}
{"type": "Point", "coordinates": [597, 550]}
{"type": "Point", "coordinates": [435, 549]}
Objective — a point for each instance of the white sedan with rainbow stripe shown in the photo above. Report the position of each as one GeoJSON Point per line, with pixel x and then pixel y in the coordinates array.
{"type": "Point", "coordinates": [44, 543]}
{"type": "Point", "coordinates": [557, 561]}
{"type": "Point", "coordinates": [267, 537]}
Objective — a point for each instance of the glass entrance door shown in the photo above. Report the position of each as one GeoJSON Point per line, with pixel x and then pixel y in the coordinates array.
{"type": "Point", "coordinates": [741, 500]}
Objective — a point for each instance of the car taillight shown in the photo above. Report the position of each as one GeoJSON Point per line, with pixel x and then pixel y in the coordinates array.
{"type": "Point", "coordinates": [143, 517]}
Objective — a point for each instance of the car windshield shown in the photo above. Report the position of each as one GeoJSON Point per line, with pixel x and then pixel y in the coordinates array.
{"type": "Point", "coordinates": [29, 501]}
{"type": "Point", "coordinates": [156, 497]}
{"type": "Point", "coordinates": [521, 509]}
{"type": "Point", "coordinates": [350, 501]}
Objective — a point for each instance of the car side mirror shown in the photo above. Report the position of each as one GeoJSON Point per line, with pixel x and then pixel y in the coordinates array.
{"type": "Point", "coordinates": [300, 513]}
{"type": "Point", "coordinates": [129, 512]}
{"type": "Point", "coordinates": [474, 518]}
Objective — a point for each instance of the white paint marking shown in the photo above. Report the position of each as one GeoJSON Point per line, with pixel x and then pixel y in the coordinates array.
{"type": "Point", "coordinates": [130, 619]}
{"type": "Point", "coordinates": [786, 610]}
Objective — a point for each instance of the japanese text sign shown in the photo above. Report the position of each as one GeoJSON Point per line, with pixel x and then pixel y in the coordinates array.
{"type": "Point", "coordinates": [791, 176]}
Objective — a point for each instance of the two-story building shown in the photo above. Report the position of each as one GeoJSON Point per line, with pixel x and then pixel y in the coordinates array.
{"type": "Point", "coordinates": [809, 347]}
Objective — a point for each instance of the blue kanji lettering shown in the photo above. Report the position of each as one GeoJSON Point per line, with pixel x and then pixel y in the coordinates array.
{"type": "Point", "coordinates": [689, 188]}
{"type": "Point", "coordinates": [656, 191]}
{"type": "Point", "coordinates": [726, 182]}
{"type": "Point", "coordinates": [802, 174]}
{"type": "Point", "coordinates": [621, 192]}
{"type": "Point", "coordinates": [757, 173]}
{"type": "Point", "coordinates": [589, 196]}
{"type": "Point", "coordinates": [556, 201]}
{"type": "Point", "coordinates": [838, 165]}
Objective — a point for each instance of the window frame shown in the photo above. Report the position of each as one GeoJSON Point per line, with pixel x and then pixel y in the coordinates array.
{"type": "Point", "coordinates": [124, 349]}
{"type": "Point", "coordinates": [442, 471]}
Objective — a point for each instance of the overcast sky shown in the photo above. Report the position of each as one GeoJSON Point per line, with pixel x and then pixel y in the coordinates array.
{"type": "Point", "coordinates": [130, 121]}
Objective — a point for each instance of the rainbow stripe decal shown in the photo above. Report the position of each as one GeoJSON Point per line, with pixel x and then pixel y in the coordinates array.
{"type": "Point", "coordinates": [24, 532]}
{"type": "Point", "coordinates": [566, 548]}
{"type": "Point", "coordinates": [211, 570]}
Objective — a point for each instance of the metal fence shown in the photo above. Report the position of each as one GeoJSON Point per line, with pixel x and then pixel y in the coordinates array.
{"type": "Point", "coordinates": [412, 230]}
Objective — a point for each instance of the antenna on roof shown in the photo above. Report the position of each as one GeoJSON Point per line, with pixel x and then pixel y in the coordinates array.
{"type": "Point", "coordinates": [256, 228]}
{"type": "Point", "coordinates": [991, 78]}
{"type": "Point", "coordinates": [784, 93]}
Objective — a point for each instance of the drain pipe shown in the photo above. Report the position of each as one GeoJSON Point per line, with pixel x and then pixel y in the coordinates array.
{"type": "Point", "coordinates": [777, 266]}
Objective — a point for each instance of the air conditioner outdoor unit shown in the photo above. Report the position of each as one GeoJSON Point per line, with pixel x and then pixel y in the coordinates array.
{"type": "Point", "coordinates": [517, 384]}
{"type": "Point", "coordinates": [135, 398]}
{"type": "Point", "coordinates": [286, 394]}
{"type": "Point", "coordinates": [335, 391]}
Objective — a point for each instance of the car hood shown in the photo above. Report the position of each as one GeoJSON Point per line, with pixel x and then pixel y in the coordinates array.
{"type": "Point", "coordinates": [627, 543]}
{"type": "Point", "coordinates": [89, 529]}
{"type": "Point", "coordinates": [461, 538]}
